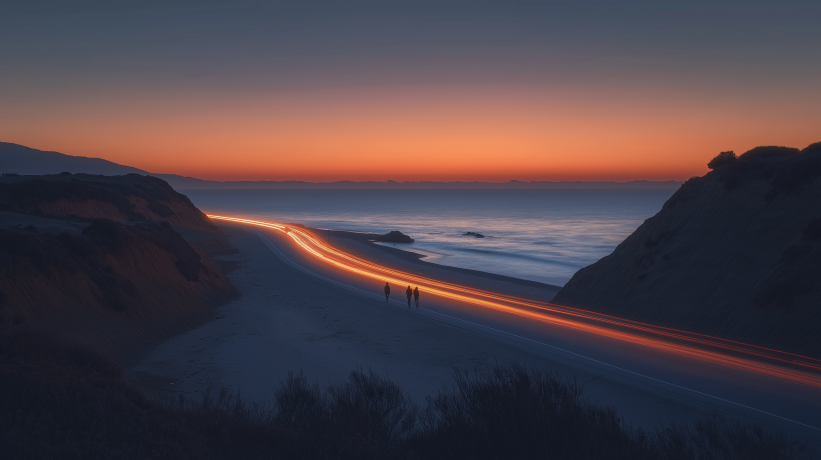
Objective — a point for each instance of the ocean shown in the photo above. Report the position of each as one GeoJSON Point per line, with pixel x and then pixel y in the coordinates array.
{"type": "Point", "coordinates": [539, 235]}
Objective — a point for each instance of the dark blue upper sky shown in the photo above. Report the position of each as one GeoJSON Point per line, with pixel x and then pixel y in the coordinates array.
{"type": "Point", "coordinates": [218, 42]}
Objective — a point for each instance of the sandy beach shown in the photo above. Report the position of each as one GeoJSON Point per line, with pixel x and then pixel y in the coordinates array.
{"type": "Point", "coordinates": [287, 321]}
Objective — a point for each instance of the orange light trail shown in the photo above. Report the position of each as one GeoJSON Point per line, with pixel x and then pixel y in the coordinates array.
{"type": "Point", "coordinates": [737, 355]}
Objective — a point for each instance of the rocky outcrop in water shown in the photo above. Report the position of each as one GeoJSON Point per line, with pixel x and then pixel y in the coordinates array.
{"type": "Point", "coordinates": [394, 237]}
{"type": "Point", "coordinates": [735, 253]}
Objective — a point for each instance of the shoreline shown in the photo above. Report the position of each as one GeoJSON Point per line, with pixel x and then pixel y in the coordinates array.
{"type": "Point", "coordinates": [286, 321]}
{"type": "Point", "coordinates": [362, 246]}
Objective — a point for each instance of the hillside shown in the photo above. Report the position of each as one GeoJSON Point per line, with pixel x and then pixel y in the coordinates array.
{"type": "Point", "coordinates": [735, 253]}
{"type": "Point", "coordinates": [128, 198]}
{"type": "Point", "coordinates": [16, 158]}
{"type": "Point", "coordinates": [103, 260]}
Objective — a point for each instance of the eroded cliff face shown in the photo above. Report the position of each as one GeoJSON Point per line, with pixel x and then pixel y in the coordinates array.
{"type": "Point", "coordinates": [116, 287]}
{"type": "Point", "coordinates": [735, 253]}
{"type": "Point", "coordinates": [129, 198]}
{"type": "Point", "coordinates": [116, 263]}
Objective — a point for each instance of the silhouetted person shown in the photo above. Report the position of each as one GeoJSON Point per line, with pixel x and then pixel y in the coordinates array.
{"type": "Point", "coordinates": [416, 296]}
{"type": "Point", "coordinates": [409, 293]}
{"type": "Point", "coordinates": [387, 291]}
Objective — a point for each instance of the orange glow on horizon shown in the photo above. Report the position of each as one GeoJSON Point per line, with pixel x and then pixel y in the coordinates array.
{"type": "Point", "coordinates": [736, 355]}
{"type": "Point", "coordinates": [441, 134]}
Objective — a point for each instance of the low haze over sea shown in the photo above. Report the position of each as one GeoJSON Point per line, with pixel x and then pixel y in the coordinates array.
{"type": "Point", "coordinates": [539, 235]}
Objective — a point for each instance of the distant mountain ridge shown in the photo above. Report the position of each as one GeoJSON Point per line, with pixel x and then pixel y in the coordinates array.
{"type": "Point", "coordinates": [15, 158]}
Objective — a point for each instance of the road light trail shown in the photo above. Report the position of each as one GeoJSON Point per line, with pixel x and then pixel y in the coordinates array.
{"type": "Point", "coordinates": [785, 366]}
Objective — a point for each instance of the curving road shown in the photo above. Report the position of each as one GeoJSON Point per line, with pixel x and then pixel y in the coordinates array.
{"type": "Point", "coordinates": [776, 389]}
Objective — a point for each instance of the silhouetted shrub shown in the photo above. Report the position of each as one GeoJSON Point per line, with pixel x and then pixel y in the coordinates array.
{"type": "Point", "coordinates": [518, 413]}
{"type": "Point", "coordinates": [61, 401]}
{"type": "Point", "coordinates": [723, 158]}
{"type": "Point", "coordinates": [369, 412]}
{"type": "Point", "coordinates": [767, 152]}
{"type": "Point", "coordinates": [721, 438]}
{"type": "Point", "coordinates": [787, 169]}
{"type": "Point", "coordinates": [299, 404]}
{"type": "Point", "coordinates": [812, 148]}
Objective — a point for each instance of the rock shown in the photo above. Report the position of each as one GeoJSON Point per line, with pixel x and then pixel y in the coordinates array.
{"type": "Point", "coordinates": [735, 253]}
{"type": "Point", "coordinates": [394, 237]}
{"type": "Point", "coordinates": [474, 234]}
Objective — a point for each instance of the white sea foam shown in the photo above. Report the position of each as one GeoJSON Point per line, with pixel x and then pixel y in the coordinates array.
{"type": "Point", "coordinates": [539, 235]}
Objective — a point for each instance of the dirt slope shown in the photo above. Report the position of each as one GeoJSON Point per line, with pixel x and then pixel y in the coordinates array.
{"type": "Point", "coordinates": [101, 260]}
{"type": "Point", "coordinates": [128, 198]}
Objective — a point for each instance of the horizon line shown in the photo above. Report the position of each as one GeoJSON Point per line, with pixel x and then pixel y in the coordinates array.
{"type": "Point", "coordinates": [185, 182]}
{"type": "Point", "coordinates": [391, 181]}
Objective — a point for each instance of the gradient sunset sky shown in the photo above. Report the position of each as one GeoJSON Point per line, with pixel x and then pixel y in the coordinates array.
{"type": "Point", "coordinates": [410, 90]}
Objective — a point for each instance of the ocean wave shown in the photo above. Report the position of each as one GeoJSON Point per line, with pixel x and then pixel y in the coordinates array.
{"type": "Point", "coordinates": [520, 256]}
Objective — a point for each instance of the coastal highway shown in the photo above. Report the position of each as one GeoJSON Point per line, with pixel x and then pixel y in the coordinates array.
{"type": "Point", "coordinates": [773, 388]}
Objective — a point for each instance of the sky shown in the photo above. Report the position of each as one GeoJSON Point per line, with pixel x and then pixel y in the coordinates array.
{"type": "Point", "coordinates": [410, 90]}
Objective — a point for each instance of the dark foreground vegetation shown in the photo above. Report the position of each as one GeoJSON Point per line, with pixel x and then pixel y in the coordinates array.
{"type": "Point", "coordinates": [62, 401]}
